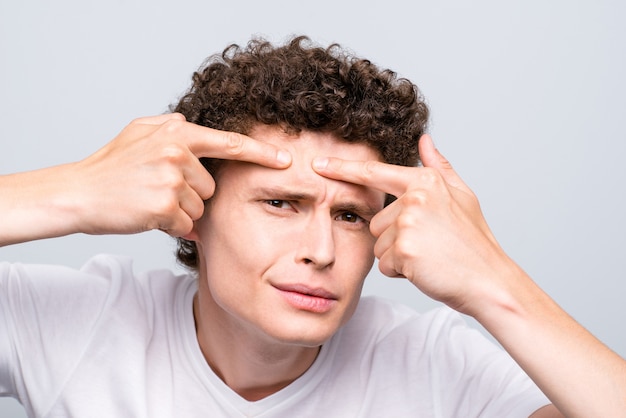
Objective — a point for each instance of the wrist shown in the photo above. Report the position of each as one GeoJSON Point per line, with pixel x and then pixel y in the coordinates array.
{"type": "Point", "coordinates": [38, 205]}
{"type": "Point", "coordinates": [509, 294]}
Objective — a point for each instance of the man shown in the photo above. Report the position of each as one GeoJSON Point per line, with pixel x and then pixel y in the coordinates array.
{"type": "Point", "coordinates": [280, 232]}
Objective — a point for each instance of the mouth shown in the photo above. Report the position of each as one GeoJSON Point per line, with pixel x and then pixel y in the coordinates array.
{"type": "Point", "coordinates": [306, 298]}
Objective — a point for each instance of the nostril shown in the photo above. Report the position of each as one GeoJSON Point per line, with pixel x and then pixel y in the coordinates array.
{"type": "Point", "coordinates": [307, 261]}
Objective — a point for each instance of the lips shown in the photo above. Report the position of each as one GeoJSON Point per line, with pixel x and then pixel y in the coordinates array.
{"type": "Point", "coordinates": [306, 290]}
{"type": "Point", "coordinates": [307, 298]}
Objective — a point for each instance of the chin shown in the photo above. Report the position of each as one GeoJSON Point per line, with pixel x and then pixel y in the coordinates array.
{"type": "Point", "coordinates": [305, 333]}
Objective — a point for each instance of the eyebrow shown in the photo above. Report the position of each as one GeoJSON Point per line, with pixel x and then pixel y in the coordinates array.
{"type": "Point", "coordinates": [280, 193]}
{"type": "Point", "coordinates": [283, 194]}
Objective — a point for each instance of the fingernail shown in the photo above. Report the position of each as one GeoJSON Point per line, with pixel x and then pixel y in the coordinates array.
{"type": "Point", "coordinates": [283, 157]}
{"type": "Point", "coordinates": [320, 163]}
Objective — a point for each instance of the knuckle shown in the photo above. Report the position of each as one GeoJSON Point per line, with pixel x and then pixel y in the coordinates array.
{"type": "Point", "coordinates": [173, 182]}
{"type": "Point", "coordinates": [387, 266]}
{"type": "Point", "coordinates": [235, 143]}
{"type": "Point", "coordinates": [185, 228]}
{"type": "Point", "coordinates": [172, 126]}
{"type": "Point", "coordinates": [178, 116]}
{"type": "Point", "coordinates": [167, 188]}
{"type": "Point", "coordinates": [133, 129]}
{"type": "Point", "coordinates": [406, 220]}
{"type": "Point", "coordinates": [196, 210]}
{"type": "Point", "coordinates": [208, 189]}
{"type": "Point", "coordinates": [174, 154]}
{"type": "Point", "coordinates": [379, 250]}
{"type": "Point", "coordinates": [430, 176]}
{"type": "Point", "coordinates": [415, 198]}
{"type": "Point", "coordinates": [404, 248]}
{"type": "Point", "coordinates": [139, 121]}
{"type": "Point", "coordinates": [368, 169]}
{"type": "Point", "coordinates": [376, 227]}
{"type": "Point", "coordinates": [167, 207]}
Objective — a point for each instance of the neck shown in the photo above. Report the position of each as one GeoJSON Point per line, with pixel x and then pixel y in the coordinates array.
{"type": "Point", "coordinates": [249, 362]}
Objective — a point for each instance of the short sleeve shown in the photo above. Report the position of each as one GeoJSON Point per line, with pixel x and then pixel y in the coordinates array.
{"type": "Point", "coordinates": [46, 314]}
{"type": "Point", "coordinates": [474, 377]}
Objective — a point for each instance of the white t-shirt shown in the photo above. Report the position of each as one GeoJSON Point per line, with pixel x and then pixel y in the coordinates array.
{"type": "Point", "coordinates": [102, 342]}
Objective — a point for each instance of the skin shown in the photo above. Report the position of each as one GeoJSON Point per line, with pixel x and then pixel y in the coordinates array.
{"type": "Point", "coordinates": [151, 175]}
{"type": "Point", "coordinates": [258, 325]}
{"type": "Point", "coordinates": [434, 235]}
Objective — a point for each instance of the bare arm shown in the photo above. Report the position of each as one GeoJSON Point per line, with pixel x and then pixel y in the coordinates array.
{"type": "Point", "coordinates": [148, 177]}
{"type": "Point", "coordinates": [436, 236]}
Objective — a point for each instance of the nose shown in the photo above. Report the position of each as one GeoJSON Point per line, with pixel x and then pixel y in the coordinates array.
{"type": "Point", "coordinates": [316, 245]}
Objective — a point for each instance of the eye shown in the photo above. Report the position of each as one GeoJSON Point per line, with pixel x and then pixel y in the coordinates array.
{"type": "Point", "coordinates": [350, 217]}
{"type": "Point", "coordinates": [277, 203]}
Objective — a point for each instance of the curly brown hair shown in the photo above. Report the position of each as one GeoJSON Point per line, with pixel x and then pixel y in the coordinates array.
{"type": "Point", "coordinates": [299, 86]}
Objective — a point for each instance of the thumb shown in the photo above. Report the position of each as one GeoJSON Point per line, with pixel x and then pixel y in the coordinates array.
{"type": "Point", "coordinates": [431, 157]}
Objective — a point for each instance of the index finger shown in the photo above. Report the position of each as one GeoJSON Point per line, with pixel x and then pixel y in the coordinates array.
{"type": "Point", "coordinates": [213, 143]}
{"type": "Point", "coordinates": [388, 178]}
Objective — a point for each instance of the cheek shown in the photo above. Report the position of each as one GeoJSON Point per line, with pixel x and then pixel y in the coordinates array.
{"type": "Point", "coordinates": [356, 255]}
{"type": "Point", "coordinates": [237, 245]}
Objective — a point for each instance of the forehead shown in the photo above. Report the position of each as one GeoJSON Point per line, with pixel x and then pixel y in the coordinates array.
{"type": "Point", "coordinates": [299, 177]}
{"type": "Point", "coordinates": [307, 145]}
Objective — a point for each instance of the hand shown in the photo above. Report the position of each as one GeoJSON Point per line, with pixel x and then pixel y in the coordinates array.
{"type": "Point", "coordinates": [434, 234]}
{"type": "Point", "coordinates": [150, 177]}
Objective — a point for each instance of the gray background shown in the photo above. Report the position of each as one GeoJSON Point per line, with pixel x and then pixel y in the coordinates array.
{"type": "Point", "coordinates": [528, 101]}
